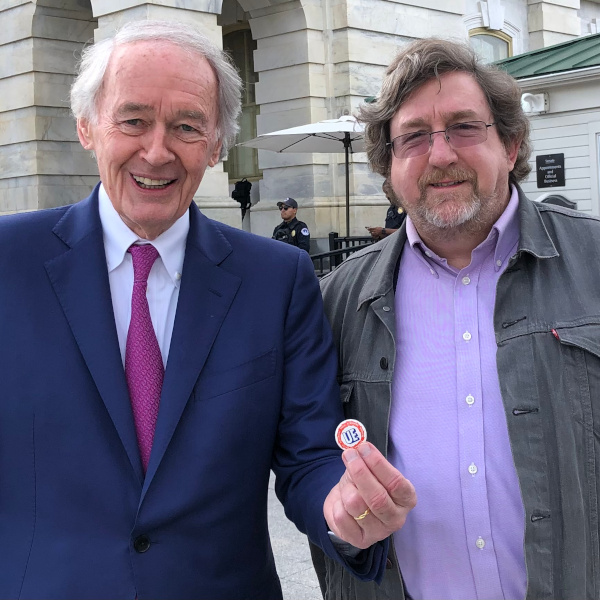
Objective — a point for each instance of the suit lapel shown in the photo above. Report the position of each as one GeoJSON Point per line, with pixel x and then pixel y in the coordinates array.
{"type": "Point", "coordinates": [79, 277]}
{"type": "Point", "coordinates": [205, 298]}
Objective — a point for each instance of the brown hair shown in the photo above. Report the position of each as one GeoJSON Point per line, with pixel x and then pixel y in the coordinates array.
{"type": "Point", "coordinates": [425, 59]}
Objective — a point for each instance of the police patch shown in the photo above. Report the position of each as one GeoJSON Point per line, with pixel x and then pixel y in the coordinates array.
{"type": "Point", "coordinates": [305, 231]}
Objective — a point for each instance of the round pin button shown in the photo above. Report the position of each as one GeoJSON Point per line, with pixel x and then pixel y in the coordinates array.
{"type": "Point", "coordinates": [350, 433]}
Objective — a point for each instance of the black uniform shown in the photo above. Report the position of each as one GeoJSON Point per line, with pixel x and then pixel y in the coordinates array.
{"type": "Point", "coordinates": [394, 218]}
{"type": "Point", "coordinates": [295, 232]}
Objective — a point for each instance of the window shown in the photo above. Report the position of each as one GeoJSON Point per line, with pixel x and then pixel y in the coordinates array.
{"type": "Point", "coordinates": [243, 162]}
{"type": "Point", "coordinates": [489, 44]}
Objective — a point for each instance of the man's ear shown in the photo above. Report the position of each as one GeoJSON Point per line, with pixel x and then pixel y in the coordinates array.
{"type": "Point", "coordinates": [512, 151]}
{"type": "Point", "coordinates": [214, 157]}
{"type": "Point", "coordinates": [84, 132]}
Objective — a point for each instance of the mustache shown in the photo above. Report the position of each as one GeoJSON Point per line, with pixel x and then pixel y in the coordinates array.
{"type": "Point", "coordinates": [450, 174]}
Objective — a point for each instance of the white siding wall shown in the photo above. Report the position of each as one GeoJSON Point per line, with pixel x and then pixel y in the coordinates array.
{"type": "Point", "coordinates": [574, 134]}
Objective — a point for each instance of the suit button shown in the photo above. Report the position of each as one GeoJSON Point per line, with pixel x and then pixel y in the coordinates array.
{"type": "Point", "coordinates": [141, 544]}
{"type": "Point", "coordinates": [383, 363]}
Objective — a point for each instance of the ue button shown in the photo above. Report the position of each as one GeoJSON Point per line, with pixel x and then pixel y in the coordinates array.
{"type": "Point", "coordinates": [350, 433]}
{"type": "Point", "coordinates": [141, 544]}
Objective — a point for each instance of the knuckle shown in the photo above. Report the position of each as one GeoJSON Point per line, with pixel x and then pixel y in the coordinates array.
{"type": "Point", "coordinates": [380, 501]}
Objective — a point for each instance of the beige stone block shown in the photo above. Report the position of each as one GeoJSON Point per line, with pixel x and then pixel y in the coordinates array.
{"type": "Point", "coordinates": [60, 28]}
{"type": "Point", "coordinates": [16, 58]}
{"type": "Point", "coordinates": [17, 92]}
{"type": "Point", "coordinates": [67, 9]}
{"type": "Point", "coordinates": [566, 3]}
{"type": "Point", "coordinates": [543, 39]}
{"type": "Point", "coordinates": [369, 47]}
{"type": "Point", "coordinates": [286, 119]}
{"type": "Point", "coordinates": [278, 23]}
{"type": "Point", "coordinates": [406, 19]}
{"type": "Point", "coordinates": [36, 123]}
{"type": "Point", "coordinates": [55, 56]}
{"type": "Point", "coordinates": [18, 126]}
{"type": "Point", "coordinates": [229, 216]}
{"type": "Point", "coordinates": [52, 89]}
{"type": "Point", "coordinates": [16, 23]}
{"type": "Point", "coordinates": [205, 22]}
{"type": "Point", "coordinates": [215, 184]}
{"type": "Point", "coordinates": [289, 49]}
{"type": "Point", "coordinates": [293, 104]}
{"type": "Point", "coordinates": [291, 82]}
{"type": "Point", "coordinates": [106, 7]}
{"type": "Point", "coordinates": [558, 19]}
{"type": "Point", "coordinates": [8, 4]}
{"type": "Point", "coordinates": [357, 79]}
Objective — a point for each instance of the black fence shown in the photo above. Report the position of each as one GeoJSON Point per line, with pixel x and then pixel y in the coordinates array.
{"type": "Point", "coordinates": [339, 249]}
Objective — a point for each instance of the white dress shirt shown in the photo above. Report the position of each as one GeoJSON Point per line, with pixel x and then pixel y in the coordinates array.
{"type": "Point", "coordinates": [164, 279]}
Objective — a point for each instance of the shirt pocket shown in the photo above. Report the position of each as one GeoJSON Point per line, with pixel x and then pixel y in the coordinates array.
{"type": "Point", "coordinates": [215, 383]}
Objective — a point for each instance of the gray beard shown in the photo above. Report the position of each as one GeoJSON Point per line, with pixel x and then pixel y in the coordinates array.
{"type": "Point", "coordinates": [471, 217]}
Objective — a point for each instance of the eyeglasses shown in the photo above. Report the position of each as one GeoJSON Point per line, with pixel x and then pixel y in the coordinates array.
{"type": "Point", "coordinates": [460, 135]}
{"type": "Point", "coordinates": [284, 207]}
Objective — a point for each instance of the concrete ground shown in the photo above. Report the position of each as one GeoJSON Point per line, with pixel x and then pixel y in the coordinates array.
{"type": "Point", "coordinates": [292, 555]}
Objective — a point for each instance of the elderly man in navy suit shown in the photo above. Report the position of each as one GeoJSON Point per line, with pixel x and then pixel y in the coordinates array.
{"type": "Point", "coordinates": [155, 365]}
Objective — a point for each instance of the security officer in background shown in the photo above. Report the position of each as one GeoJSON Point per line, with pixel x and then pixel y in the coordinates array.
{"type": "Point", "coordinates": [291, 231]}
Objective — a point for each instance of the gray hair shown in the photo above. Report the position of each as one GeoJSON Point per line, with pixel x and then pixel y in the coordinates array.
{"type": "Point", "coordinates": [424, 60]}
{"type": "Point", "coordinates": [87, 86]}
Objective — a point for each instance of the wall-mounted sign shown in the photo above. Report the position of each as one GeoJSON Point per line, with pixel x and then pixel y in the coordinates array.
{"type": "Point", "coordinates": [550, 170]}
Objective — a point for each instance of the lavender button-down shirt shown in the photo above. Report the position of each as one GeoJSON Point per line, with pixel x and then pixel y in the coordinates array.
{"type": "Point", "coordinates": [448, 433]}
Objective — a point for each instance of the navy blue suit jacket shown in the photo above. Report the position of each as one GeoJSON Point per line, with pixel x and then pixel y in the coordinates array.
{"type": "Point", "coordinates": [249, 387]}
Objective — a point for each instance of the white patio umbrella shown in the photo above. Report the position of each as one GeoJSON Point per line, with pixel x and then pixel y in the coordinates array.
{"type": "Point", "coordinates": [345, 134]}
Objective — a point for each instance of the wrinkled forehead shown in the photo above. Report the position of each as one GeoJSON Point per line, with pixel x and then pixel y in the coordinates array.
{"type": "Point", "coordinates": [451, 97]}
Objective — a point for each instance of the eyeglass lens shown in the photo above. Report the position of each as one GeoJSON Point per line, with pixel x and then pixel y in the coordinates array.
{"type": "Point", "coordinates": [460, 135]}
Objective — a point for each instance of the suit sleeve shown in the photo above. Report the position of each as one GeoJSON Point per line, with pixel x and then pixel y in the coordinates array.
{"type": "Point", "coordinates": [307, 461]}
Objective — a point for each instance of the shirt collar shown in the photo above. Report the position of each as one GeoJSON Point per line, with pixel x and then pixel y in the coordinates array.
{"type": "Point", "coordinates": [118, 237]}
{"type": "Point", "coordinates": [503, 236]}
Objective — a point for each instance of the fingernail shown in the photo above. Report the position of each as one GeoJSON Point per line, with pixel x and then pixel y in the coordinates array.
{"type": "Point", "coordinates": [350, 455]}
{"type": "Point", "coordinates": [364, 450]}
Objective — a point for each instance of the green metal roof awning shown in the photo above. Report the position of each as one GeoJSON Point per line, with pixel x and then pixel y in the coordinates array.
{"type": "Point", "coordinates": [577, 53]}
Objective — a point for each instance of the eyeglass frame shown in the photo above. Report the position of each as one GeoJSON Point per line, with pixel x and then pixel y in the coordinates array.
{"type": "Point", "coordinates": [445, 132]}
{"type": "Point", "coordinates": [284, 207]}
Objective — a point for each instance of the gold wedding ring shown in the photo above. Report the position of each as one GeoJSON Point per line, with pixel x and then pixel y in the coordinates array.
{"type": "Point", "coordinates": [361, 517]}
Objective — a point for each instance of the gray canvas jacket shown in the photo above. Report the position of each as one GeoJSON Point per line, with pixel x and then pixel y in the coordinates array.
{"type": "Point", "coordinates": [550, 388]}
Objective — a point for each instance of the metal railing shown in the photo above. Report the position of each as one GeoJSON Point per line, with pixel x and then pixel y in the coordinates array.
{"type": "Point", "coordinates": [339, 249]}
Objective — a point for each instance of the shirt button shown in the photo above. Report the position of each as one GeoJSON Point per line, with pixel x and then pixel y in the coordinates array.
{"type": "Point", "coordinates": [427, 253]}
{"type": "Point", "coordinates": [177, 276]}
{"type": "Point", "coordinates": [386, 309]}
{"type": "Point", "coordinates": [470, 400]}
{"type": "Point", "coordinates": [480, 543]}
{"type": "Point", "coordinates": [498, 263]}
{"type": "Point", "coordinates": [141, 544]}
{"type": "Point", "coordinates": [383, 363]}
{"type": "Point", "coordinates": [466, 280]}
{"type": "Point", "coordinates": [466, 336]}
{"type": "Point", "coordinates": [472, 468]}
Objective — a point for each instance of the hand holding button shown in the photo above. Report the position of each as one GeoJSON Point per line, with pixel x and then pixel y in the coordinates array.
{"type": "Point", "coordinates": [371, 500]}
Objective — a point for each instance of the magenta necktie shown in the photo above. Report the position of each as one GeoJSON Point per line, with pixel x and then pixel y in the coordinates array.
{"type": "Point", "coordinates": [143, 362]}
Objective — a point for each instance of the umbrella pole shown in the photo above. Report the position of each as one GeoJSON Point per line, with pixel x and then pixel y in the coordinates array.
{"type": "Point", "coordinates": [347, 152]}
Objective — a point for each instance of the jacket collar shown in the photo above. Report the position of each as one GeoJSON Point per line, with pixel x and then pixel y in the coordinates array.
{"type": "Point", "coordinates": [534, 237]}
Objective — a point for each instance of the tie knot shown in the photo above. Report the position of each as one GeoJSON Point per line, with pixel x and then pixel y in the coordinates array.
{"type": "Point", "coordinates": [143, 258]}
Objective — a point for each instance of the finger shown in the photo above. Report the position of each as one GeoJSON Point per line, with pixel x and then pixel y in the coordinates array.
{"type": "Point", "coordinates": [399, 488]}
{"type": "Point", "coordinates": [389, 498]}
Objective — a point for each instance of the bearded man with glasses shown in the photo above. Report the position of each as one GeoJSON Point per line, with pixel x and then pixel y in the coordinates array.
{"type": "Point", "coordinates": [469, 346]}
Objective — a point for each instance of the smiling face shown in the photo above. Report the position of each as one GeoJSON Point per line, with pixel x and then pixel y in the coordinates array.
{"type": "Point", "coordinates": [450, 190]}
{"type": "Point", "coordinates": [155, 134]}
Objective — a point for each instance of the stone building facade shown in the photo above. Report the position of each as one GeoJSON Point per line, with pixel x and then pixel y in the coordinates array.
{"type": "Point", "coordinates": [302, 61]}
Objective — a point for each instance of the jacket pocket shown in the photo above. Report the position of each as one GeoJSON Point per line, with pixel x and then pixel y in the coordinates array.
{"type": "Point", "coordinates": [214, 383]}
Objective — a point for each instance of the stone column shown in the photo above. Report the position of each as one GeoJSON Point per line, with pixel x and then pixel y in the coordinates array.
{"type": "Point", "coordinates": [213, 194]}
{"type": "Point", "coordinates": [552, 22]}
{"type": "Point", "coordinates": [41, 161]}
